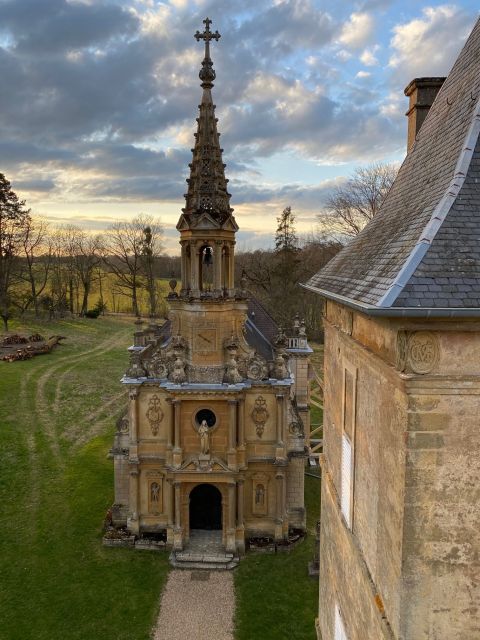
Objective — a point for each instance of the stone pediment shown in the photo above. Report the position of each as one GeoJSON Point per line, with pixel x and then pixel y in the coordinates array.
{"type": "Point", "coordinates": [182, 223]}
{"type": "Point", "coordinates": [205, 221]}
{"type": "Point", "coordinates": [203, 463]}
{"type": "Point", "coordinates": [230, 224]}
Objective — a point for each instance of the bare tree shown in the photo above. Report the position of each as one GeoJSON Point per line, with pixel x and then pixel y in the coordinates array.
{"type": "Point", "coordinates": [151, 248]}
{"type": "Point", "coordinates": [13, 220]}
{"type": "Point", "coordinates": [354, 204]}
{"type": "Point", "coordinates": [124, 253]}
{"type": "Point", "coordinates": [37, 250]}
{"type": "Point", "coordinates": [86, 253]}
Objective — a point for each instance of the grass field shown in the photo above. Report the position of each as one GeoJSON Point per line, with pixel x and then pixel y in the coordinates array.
{"type": "Point", "coordinates": [57, 416]}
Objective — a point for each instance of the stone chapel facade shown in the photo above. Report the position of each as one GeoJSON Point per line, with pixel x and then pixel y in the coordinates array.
{"type": "Point", "coordinates": [218, 396]}
{"type": "Point", "coordinates": [400, 519]}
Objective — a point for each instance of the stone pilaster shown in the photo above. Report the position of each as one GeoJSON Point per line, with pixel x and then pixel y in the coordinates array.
{"type": "Point", "coordinates": [240, 517]}
{"type": "Point", "coordinates": [217, 274]}
{"type": "Point", "coordinates": [177, 449]}
{"type": "Point", "coordinates": [177, 531]}
{"type": "Point", "coordinates": [230, 543]}
{"type": "Point", "coordinates": [133, 522]}
{"type": "Point", "coordinates": [280, 505]}
{"type": "Point", "coordinates": [232, 434]}
{"type": "Point", "coordinates": [169, 491]}
{"type": "Point", "coordinates": [280, 449]}
{"type": "Point", "coordinates": [169, 431]}
{"type": "Point", "coordinates": [241, 434]}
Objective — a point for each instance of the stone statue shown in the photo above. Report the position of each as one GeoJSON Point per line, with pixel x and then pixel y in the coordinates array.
{"type": "Point", "coordinates": [260, 494]}
{"type": "Point", "coordinates": [155, 492]}
{"type": "Point", "coordinates": [204, 437]}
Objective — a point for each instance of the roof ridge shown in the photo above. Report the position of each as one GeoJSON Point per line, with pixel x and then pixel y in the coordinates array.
{"type": "Point", "coordinates": [438, 215]}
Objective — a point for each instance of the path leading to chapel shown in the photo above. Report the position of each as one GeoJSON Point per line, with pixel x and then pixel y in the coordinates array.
{"type": "Point", "coordinates": [197, 604]}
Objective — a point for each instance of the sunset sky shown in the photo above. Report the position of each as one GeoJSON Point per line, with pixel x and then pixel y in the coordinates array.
{"type": "Point", "coordinates": [99, 100]}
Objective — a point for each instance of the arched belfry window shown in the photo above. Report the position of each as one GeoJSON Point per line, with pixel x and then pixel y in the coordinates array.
{"type": "Point", "coordinates": [206, 260]}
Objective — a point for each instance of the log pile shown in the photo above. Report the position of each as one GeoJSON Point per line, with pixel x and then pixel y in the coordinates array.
{"type": "Point", "coordinates": [35, 346]}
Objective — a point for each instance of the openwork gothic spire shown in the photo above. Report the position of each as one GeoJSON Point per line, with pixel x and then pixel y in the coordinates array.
{"type": "Point", "coordinates": [207, 185]}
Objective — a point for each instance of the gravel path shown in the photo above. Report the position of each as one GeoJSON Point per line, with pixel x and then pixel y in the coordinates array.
{"type": "Point", "coordinates": [195, 607]}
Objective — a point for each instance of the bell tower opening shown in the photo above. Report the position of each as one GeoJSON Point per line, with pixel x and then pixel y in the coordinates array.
{"type": "Point", "coordinates": [206, 508]}
{"type": "Point", "coordinates": [205, 268]}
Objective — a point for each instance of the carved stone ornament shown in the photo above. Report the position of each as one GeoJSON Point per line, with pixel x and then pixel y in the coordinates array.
{"type": "Point", "coordinates": [260, 415]}
{"type": "Point", "coordinates": [157, 366]}
{"type": "Point", "coordinates": [401, 351]}
{"type": "Point", "coordinates": [154, 414]}
{"type": "Point", "coordinates": [423, 352]}
{"type": "Point", "coordinates": [295, 428]}
{"type": "Point", "coordinates": [257, 368]}
{"type": "Point", "coordinates": [123, 423]}
{"type": "Point", "coordinates": [135, 370]}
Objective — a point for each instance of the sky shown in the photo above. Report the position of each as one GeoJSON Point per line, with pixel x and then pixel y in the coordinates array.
{"type": "Point", "coordinates": [99, 100]}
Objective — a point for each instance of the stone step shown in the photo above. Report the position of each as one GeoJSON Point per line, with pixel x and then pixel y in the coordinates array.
{"type": "Point", "coordinates": [216, 565]}
{"type": "Point", "coordinates": [187, 556]}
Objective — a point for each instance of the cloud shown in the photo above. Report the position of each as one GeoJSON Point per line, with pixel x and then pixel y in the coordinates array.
{"type": "Point", "coordinates": [102, 98]}
{"type": "Point", "coordinates": [368, 57]}
{"type": "Point", "coordinates": [58, 25]}
{"type": "Point", "coordinates": [363, 74]}
{"type": "Point", "coordinates": [428, 46]}
{"type": "Point", "coordinates": [357, 31]}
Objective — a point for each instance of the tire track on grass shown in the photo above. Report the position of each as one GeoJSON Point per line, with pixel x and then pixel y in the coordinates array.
{"type": "Point", "coordinates": [43, 407]}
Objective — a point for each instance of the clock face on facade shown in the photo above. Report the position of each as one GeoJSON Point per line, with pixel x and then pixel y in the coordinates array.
{"type": "Point", "coordinates": [205, 340]}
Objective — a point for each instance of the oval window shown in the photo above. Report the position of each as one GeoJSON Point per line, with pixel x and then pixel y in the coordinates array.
{"type": "Point", "coordinates": [207, 415]}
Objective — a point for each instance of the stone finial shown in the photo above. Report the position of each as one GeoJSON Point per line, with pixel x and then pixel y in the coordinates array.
{"type": "Point", "coordinates": [135, 369]}
{"type": "Point", "coordinates": [296, 323]}
{"type": "Point", "coordinates": [280, 340]}
{"type": "Point", "coordinates": [280, 370]}
{"type": "Point", "coordinates": [207, 72]}
{"type": "Point", "coordinates": [232, 375]}
{"type": "Point", "coordinates": [302, 330]}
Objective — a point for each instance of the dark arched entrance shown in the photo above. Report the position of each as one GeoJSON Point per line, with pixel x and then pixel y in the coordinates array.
{"type": "Point", "coordinates": [205, 507]}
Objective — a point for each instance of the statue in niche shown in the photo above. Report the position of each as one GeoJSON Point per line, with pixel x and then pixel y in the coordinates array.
{"type": "Point", "coordinates": [204, 437]}
{"type": "Point", "coordinates": [260, 495]}
{"type": "Point", "coordinates": [155, 492]}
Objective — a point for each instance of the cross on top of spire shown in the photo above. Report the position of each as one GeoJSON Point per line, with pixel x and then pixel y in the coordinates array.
{"type": "Point", "coordinates": [207, 73]}
{"type": "Point", "coordinates": [207, 35]}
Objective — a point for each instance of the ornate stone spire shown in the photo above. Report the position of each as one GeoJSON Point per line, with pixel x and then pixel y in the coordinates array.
{"type": "Point", "coordinates": [207, 185]}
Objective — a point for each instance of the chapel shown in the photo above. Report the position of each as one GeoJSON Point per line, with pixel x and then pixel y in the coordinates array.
{"type": "Point", "coordinates": [214, 436]}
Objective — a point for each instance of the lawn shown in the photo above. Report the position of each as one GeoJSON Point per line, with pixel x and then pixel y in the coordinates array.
{"type": "Point", "coordinates": [57, 416]}
{"type": "Point", "coordinates": [276, 599]}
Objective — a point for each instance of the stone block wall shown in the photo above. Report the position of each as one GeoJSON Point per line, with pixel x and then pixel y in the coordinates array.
{"type": "Point", "coordinates": [407, 567]}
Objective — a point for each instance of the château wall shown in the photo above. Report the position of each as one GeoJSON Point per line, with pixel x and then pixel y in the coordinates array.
{"type": "Point", "coordinates": [407, 393]}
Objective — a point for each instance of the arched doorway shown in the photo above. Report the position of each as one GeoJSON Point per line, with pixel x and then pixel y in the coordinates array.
{"type": "Point", "coordinates": [205, 507]}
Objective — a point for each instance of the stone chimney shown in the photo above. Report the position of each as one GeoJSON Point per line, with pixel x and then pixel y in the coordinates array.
{"type": "Point", "coordinates": [422, 92]}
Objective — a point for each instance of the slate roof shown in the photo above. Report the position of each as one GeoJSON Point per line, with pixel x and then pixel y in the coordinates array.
{"type": "Point", "coordinates": [260, 329]}
{"type": "Point", "coordinates": [422, 250]}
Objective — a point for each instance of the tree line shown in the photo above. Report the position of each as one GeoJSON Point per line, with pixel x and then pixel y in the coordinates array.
{"type": "Point", "coordinates": [53, 269]}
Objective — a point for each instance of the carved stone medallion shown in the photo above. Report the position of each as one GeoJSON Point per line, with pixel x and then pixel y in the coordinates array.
{"type": "Point", "coordinates": [260, 415]}
{"type": "Point", "coordinates": [423, 352]}
{"type": "Point", "coordinates": [157, 367]}
{"type": "Point", "coordinates": [295, 428]}
{"type": "Point", "coordinates": [154, 414]}
{"type": "Point", "coordinates": [257, 368]}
